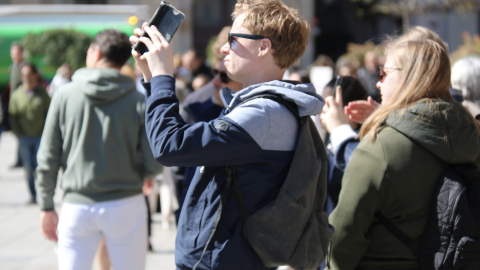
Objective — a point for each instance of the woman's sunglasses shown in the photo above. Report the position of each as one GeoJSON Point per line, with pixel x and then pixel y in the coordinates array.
{"type": "Point", "coordinates": [248, 36]}
{"type": "Point", "coordinates": [381, 72]}
{"type": "Point", "coordinates": [223, 75]}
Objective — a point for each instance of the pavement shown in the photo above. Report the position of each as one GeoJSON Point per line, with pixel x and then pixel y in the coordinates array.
{"type": "Point", "coordinates": [22, 247]}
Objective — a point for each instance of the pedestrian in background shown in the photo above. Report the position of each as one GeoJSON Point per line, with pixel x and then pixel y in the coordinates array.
{"type": "Point", "coordinates": [402, 152]}
{"type": "Point", "coordinates": [63, 76]}
{"type": "Point", "coordinates": [343, 138]}
{"type": "Point", "coordinates": [27, 111]}
{"type": "Point", "coordinates": [466, 78]}
{"type": "Point", "coordinates": [368, 75]}
{"type": "Point", "coordinates": [95, 132]}
{"type": "Point", "coordinates": [194, 64]}
{"type": "Point", "coordinates": [16, 54]}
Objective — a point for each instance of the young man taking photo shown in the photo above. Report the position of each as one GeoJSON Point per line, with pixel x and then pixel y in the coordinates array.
{"type": "Point", "coordinates": [95, 132]}
{"type": "Point", "coordinates": [257, 139]}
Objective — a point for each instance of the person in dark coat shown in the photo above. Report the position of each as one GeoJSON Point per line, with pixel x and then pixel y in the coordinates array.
{"type": "Point", "coordinates": [343, 132]}
{"type": "Point", "coordinates": [257, 138]}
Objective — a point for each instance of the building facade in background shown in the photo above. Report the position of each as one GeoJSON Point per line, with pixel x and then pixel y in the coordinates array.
{"type": "Point", "coordinates": [335, 23]}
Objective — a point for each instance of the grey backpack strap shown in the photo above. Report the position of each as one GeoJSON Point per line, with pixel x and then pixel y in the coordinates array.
{"type": "Point", "coordinates": [237, 193]}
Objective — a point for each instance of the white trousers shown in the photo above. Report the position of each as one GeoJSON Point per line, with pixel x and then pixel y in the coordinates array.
{"type": "Point", "coordinates": [123, 224]}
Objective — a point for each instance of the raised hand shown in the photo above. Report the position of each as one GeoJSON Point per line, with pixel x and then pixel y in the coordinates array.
{"type": "Point", "coordinates": [159, 56]}
{"type": "Point", "coordinates": [358, 111]}
{"type": "Point", "coordinates": [142, 63]}
{"type": "Point", "coordinates": [333, 114]}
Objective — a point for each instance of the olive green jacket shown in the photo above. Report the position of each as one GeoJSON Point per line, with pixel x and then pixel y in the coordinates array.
{"type": "Point", "coordinates": [28, 112]}
{"type": "Point", "coordinates": [397, 175]}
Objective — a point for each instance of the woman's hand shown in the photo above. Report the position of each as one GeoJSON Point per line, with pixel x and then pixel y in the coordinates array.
{"type": "Point", "coordinates": [333, 114]}
{"type": "Point", "coordinates": [358, 111]}
{"type": "Point", "coordinates": [142, 63]}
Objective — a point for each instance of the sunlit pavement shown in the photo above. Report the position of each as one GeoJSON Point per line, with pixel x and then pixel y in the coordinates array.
{"type": "Point", "coordinates": [22, 247]}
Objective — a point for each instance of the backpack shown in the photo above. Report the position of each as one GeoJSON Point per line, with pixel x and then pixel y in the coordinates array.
{"type": "Point", "coordinates": [451, 239]}
{"type": "Point", "coordinates": [293, 229]}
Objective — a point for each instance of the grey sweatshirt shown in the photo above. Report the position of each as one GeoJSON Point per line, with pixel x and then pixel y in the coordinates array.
{"type": "Point", "coordinates": [95, 132]}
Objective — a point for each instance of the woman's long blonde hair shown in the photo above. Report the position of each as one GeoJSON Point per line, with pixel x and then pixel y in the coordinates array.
{"type": "Point", "coordinates": [425, 75]}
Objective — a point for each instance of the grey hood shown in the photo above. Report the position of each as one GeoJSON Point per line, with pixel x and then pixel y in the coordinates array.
{"type": "Point", "coordinates": [448, 132]}
{"type": "Point", "coordinates": [103, 85]}
{"type": "Point", "coordinates": [303, 95]}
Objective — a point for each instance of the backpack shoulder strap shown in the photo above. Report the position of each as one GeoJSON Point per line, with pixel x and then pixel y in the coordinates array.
{"type": "Point", "coordinates": [237, 193]}
{"type": "Point", "coordinates": [412, 244]}
{"type": "Point", "coordinates": [393, 229]}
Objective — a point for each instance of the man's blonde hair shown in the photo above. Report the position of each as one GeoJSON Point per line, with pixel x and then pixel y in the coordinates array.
{"type": "Point", "coordinates": [283, 25]}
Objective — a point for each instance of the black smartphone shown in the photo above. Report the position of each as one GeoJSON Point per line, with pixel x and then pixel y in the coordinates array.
{"type": "Point", "coordinates": [338, 82]}
{"type": "Point", "coordinates": [167, 19]}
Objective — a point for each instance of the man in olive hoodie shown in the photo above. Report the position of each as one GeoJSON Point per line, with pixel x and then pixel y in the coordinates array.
{"type": "Point", "coordinates": [95, 132]}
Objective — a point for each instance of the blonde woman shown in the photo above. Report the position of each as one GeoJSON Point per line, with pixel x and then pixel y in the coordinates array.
{"type": "Point", "coordinates": [360, 110]}
{"type": "Point", "coordinates": [399, 160]}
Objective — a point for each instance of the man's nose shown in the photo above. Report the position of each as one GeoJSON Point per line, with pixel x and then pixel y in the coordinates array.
{"type": "Point", "coordinates": [225, 49]}
{"type": "Point", "coordinates": [379, 85]}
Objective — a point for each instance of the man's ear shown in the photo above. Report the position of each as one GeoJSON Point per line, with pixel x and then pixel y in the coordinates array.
{"type": "Point", "coordinates": [97, 54]}
{"type": "Point", "coordinates": [265, 47]}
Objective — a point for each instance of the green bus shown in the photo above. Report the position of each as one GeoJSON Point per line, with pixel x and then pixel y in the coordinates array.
{"type": "Point", "coordinates": [18, 20]}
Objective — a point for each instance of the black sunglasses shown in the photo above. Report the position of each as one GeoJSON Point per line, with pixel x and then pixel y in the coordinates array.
{"type": "Point", "coordinates": [253, 37]}
{"type": "Point", "coordinates": [223, 75]}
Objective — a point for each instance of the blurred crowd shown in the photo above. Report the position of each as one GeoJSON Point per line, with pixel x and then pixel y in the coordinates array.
{"type": "Point", "coordinates": [350, 88]}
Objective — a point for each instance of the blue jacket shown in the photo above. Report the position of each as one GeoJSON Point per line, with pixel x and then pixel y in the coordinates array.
{"type": "Point", "coordinates": [344, 141]}
{"type": "Point", "coordinates": [257, 139]}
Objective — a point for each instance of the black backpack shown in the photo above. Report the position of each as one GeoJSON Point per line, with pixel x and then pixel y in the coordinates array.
{"type": "Point", "coordinates": [293, 229]}
{"type": "Point", "coordinates": [451, 239]}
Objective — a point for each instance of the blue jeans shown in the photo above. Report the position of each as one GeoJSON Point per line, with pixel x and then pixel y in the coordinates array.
{"type": "Point", "coordinates": [28, 153]}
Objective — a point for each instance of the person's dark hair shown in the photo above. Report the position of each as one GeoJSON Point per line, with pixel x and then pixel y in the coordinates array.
{"type": "Point", "coordinates": [114, 46]}
{"type": "Point", "coordinates": [352, 89]}
{"type": "Point", "coordinates": [16, 44]}
{"type": "Point", "coordinates": [198, 54]}
{"type": "Point", "coordinates": [32, 67]}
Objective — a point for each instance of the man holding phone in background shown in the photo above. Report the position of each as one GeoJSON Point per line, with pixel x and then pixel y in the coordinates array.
{"type": "Point", "coordinates": [95, 132]}
{"type": "Point", "coordinates": [258, 138]}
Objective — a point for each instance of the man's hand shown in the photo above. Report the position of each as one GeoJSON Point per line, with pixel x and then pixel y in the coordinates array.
{"type": "Point", "coordinates": [147, 187]}
{"type": "Point", "coordinates": [333, 114]}
{"type": "Point", "coordinates": [48, 225]}
{"type": "Point", "coordinates": [159, 56]}
{"type": "Point", "coordinates": [142, 63]}
{"type": "Point", "coordinates": [358, 111]}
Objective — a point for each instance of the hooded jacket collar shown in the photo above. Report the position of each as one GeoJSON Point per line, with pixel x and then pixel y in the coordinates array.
{"type": "Point", "coordinates": [103, 85]}
{"type": "Point", "coordinates": [448, 132]}
{"type": "Point", "coordinates": [303, 95]}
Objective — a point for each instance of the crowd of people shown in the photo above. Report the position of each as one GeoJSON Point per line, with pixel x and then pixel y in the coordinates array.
{"type": "Point", "coordinates": [222, 137]}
